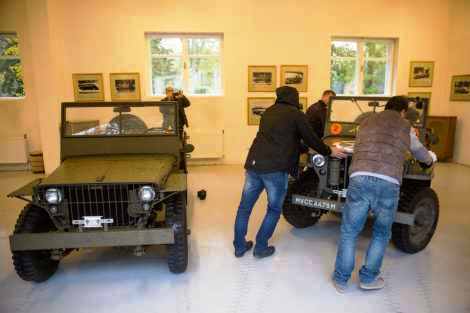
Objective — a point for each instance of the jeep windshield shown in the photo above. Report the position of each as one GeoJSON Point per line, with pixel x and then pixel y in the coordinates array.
{"type": "Point", "coordinates": [119, 119]}
{"type": "Point", "coordinates": [355, 109]}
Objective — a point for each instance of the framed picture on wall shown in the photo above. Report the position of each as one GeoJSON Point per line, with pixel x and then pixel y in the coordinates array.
{"type": "Point", "coordinates": [304, 102]}
{"type": "Point", "coordinates": [422, 95]}
{"type": "Point", "coordinates": [295, 76]}
{"type": "Point", "coordinates": [460, 88]}
{"type": "Point", "coordinates": [262, 78]}
{"type": "Point", "coordinates": [125, 86]}
{"type": "Point", "coordinates": [88, 87]}
{"type": "Point", "coordinates": [256, 107]}
{"type": "Point", "coordinates": [421, 73]}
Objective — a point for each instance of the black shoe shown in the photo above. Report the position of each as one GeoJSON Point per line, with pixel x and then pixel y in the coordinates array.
{"type": "Point", "coordinates": [248, 246]}
{"type": "Point", "coordinates": [265, 253]}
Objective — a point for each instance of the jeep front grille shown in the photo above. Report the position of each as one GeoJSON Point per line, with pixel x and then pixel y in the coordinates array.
{"type": "Point", "coordinates": [106, 200]}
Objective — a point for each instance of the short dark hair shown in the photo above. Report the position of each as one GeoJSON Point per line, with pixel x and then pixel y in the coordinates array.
{"type": "Point", "coordinates": [329, 92]}
{"type": "Point", "coordinates": [397, 103]}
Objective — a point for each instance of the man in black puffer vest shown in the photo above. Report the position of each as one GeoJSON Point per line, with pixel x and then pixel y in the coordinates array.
{"type": "Point", "coordinates": [273, 155]}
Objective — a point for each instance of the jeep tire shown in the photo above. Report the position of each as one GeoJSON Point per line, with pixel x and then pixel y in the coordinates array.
{"type": "Point", "coordinates": [176, 219]}
{"type": "Point", "coordinates": [297, 215]}
{"type": "Point", "coordinates": [36, 266]}
{"type": "Point", "coordinates": [423, 202]}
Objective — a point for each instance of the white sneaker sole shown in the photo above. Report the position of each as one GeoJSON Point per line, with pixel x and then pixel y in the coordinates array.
{"type": "Point", "coordinates": [371, 287]}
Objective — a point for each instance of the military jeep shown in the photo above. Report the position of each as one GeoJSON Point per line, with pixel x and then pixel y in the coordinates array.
{"type": "Point", "coordinates": [121, 183]}
{"type": "Point", "coordinates": [322, 184]}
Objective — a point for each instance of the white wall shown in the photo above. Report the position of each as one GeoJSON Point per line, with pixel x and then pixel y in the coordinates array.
{"type": "Point", "coordinates": [19, 116]}
{"type": "Point", "coordinates": [104, 36]}
{"type": "Point", "coordinates": [459, 55]}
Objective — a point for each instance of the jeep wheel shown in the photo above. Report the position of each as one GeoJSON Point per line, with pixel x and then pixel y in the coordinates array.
{"type": "Point", "coordinates": [297, 215]}
{"type": "Point", "coordinates": [34, 266]}
{"type": "Point", "coordinates": [422, 202]}
{"type": "Point", "coordinates": [176, 218]}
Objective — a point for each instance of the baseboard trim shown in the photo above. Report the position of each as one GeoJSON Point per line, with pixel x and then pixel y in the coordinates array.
{"type": "Point", "coordinates": [14, 167]}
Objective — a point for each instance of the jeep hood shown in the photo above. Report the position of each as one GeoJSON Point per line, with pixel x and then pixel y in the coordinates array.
{"type": "Point", "coordinates": [112, 169]}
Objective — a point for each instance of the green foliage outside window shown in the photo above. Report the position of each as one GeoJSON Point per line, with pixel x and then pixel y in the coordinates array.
{"type": "Point", "coordinates": [11, 73]}
{"type": "Point", "coordinates": [344, 73]}
{"type": "Point", "coordinates": [171, 57]}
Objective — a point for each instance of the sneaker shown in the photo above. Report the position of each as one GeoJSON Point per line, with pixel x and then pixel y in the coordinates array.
{"type": "Point", "coordinates": [248, 246]}
{"type": "Point", "coordinates": [377, 284]}
{"type": "Point", "coordinates": [341, 288]}
{"type": "Point", "coordinates": [265, 253]}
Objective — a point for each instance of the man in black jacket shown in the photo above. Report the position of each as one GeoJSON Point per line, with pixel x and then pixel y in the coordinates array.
{"type": "Point", "coordinates": [272, 156]}
{"type": "Point", "coordinates": [316, 113]}
{"type": "Point", "coordinates": [183, 103]}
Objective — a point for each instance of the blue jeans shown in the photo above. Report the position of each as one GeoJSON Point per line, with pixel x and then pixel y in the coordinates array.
{"type": "Point", "coordinates": [276, 188]}
{"type": "Point", "coordinates": [381, 197]}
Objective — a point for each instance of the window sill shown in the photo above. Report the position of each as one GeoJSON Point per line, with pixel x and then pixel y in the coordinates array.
{"type": "Point", "coordinates": [5, 99]}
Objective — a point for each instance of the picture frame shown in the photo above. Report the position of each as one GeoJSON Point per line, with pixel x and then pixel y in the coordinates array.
{"type": "Point", "coordinates": [125, 86]}
{"type": "Point", "coordinates": [88, 87]}
{"type": "Point", "coordinates": [460, 88]}
{"type": "Point", "coordinates": [256, 107]}
{"type": "Point", "coordinates": [422, 95]}
{"type": "Point", "coordinates": [295, 76]}
{"type": "Point", "coordinates": [262, 78]}
{"type": "Point", "coordinates": [304, 103]}
{"type": "Point", "coordinates": [421, 73]}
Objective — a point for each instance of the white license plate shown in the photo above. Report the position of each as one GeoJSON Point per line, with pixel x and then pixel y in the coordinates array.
{"type": "Point", "coordinates": [316, 203]}
{"type": "Point", "coordinates": [92, 221]}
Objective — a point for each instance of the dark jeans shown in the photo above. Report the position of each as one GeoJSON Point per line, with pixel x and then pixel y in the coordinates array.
{"type": "Point", "coordinates": [276, 188]}
{"type": "Point", "coordinates": [381, 197]}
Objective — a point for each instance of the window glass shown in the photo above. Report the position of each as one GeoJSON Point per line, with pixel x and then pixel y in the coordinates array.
{"type": "Point", "coordinates": [166, 72]}
{"type": "Point", "coordinates": [375, 73]}
{"type": "Point", "coordinates": [11, 72]}
{"type": "Point", "coordinates": [166, 46]}
{"type": "Point", "coordinates": [204, 46]}
{"type": "Point", "coordinates": [204, 76]}
{"type": "Point", "coordinates": [354, 111]}
{"type": "Point", "coordinates": [191, 64]}
{"type": "Point", "coordinates": [344, 49]}
{"type": "Point", "coordinates": [361, 67]}
{"type": "Point", "coordinates": [121, 120]}
{"type": "Point", "coordinates": [343, 76]}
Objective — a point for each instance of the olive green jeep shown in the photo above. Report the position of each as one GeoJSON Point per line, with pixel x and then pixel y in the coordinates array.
{"type": "Point", "coordinates": [323, 182]}
{"type": "Point", "coordinates": [121, 182]}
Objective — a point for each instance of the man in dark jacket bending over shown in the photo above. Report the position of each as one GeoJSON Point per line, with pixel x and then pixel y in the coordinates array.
{"type": "Point", "coordinates": [272, 156]}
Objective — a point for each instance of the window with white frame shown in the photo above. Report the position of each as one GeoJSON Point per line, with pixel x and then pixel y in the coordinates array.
{"type": "Point", "coordinates": [11, 73]}
{"type": "Point", "coordinates": [192, 63]}
{"type": "Point", "coordinates": [362, 66]}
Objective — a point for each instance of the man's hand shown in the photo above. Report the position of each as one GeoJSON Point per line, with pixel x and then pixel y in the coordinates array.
{"type": "Point", "coordinates": [433, 156]}
{"type": "Point", "coordinates": [338, 153]}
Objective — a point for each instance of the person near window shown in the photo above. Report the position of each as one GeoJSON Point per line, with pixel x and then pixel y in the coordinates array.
{"type": "Point", "coordinates": [376, 175]}
{"type": "Point", "coordinates": [169, 116]}
{"type": "Point", "coordinates": [317, 112]}
{"type": "Point", "coordinates": [274, 154]}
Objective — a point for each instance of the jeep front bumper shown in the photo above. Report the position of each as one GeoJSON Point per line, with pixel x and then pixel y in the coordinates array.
{"type": "Point", "coordinates": [337, 206]}
{"type": "Point", "coordinates": [91, 239]}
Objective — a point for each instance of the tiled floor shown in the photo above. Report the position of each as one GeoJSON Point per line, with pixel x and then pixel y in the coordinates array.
{"type": "Point", "coordinates": [296, 279]}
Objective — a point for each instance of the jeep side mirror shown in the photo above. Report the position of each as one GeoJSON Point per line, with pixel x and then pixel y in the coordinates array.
{"type": "Point", "coordinates": [188, 148]}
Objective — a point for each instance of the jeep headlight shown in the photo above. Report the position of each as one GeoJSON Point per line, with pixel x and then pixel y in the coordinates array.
{"type": "Point", "coordinates": [146, 194]}
{"type": "Point", "coordinates": [318, 160]}
{"type": "Point", "coordinates": [53, 196]}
